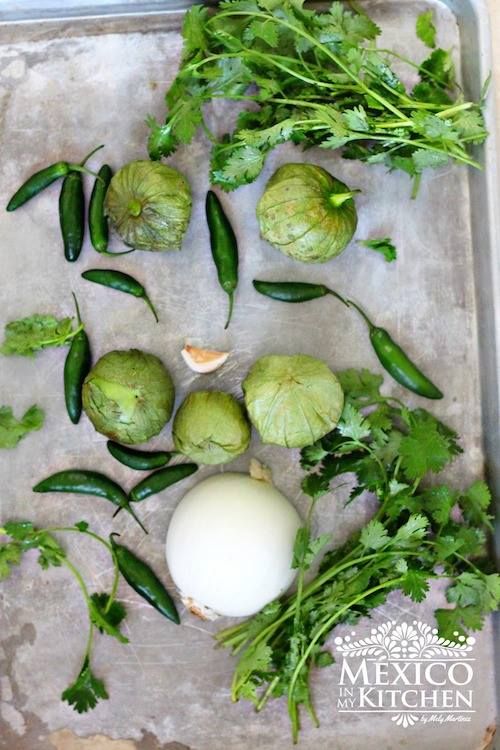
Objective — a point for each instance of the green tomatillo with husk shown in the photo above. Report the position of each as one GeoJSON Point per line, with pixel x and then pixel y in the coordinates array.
{"type": "Point", "coordinates": [128, 396]}
{"type": "Point", "coordinates": [292, 401]}
{"type": "Point", "coordinates": [211, 427]}
{"type": "Point", "coordinates": [307, 213]}
{"type": "Point", "coordinates": [149, 205]}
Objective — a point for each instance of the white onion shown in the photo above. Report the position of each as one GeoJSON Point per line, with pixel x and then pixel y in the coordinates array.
{"type": "Point", "coordinates": [230, 544]}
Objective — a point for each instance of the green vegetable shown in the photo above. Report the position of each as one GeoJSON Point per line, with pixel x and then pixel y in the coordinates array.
{"type": "Point", "coordinates": [414, 537]}
{"type": "Point", "coordinates": [385, 246]}
{"type": "Point", "coordinates": [138, 460]}
{"type": "Point", "coordinates": [28, 335]}
{"type": "Point", "coordinates": [316, 79]}
{"type": "Point", "coordinates": [72, 211]}
{"type": "Point", "coordinates": [38, 182]}
{"type": "Point", "coordinates": [83, 482]}
{"type": "Point", "coordinates": [144, 580]}
{"type": "Point", "coordinates": [128, 396]}
{"type": "Point", "coordinates": [306, 213]}
{"type": "Point", "coordinates": [104, 612]}
{"type": "Point", "coordinates": [292, 401]}
{"type": "Point", "coordinates": [224, 248]}
{"type": "Point", "coordinates": [45, 177]}
{"type": "Point", "coordinates": [391, 355]}
{"type": "Point", "coordinates": [13, 430]}
{"type": "Point", "coordinates": [211, 427]}
{"type": "Point", "coordinates": [120, 281]}
{"type": "Point", "coordinates": [426, 31]}
{"type": "Point", "coordinates": [98, 223]}
{"type": "Point", "coordinates": [149, 205]}
{"type": "Point", "coordinates": [160, 480]}
{"type": "Point", "coordinates": [76, 367]}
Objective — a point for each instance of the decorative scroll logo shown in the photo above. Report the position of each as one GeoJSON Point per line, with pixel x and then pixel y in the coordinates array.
{"type": "Point", "coordinates": [408, 671]}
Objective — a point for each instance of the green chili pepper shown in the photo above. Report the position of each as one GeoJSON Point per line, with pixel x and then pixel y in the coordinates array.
{"type": "Point", "coordinates": [224, 248]}
{"type": "Point", "coordinates": [76, 368]}
{"type": "Point", "coordinates": [120, 281]}
{"type": "Point", "coordinates": [72, 212]}
{"type": "Point", "coordinates": [294, 291]}
{"type": "Point", "coordinates": [43, 178]}
{"type": "Point", "coordinates": [38, 182]}
{"type": "Point", "coordinates": [98, 223]}
{"type": "Point", "coordinates": [396, 361]}
{"type": "Point", "coordinates": [390, 354]}
{"type": "Point", "coordinates": [144, 580]}
{"type": "Point", "coordinates": [72, 215]}
{"type": "Point", "coordinates": [84, 482]}
{"type": "Point", "coordinates": [139, 460]}
{"type": "Point", "coordinates": [160, 480]}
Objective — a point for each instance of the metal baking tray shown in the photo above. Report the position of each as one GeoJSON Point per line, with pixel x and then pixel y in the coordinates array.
{"type": "Point", "coordinates": [86, 74]}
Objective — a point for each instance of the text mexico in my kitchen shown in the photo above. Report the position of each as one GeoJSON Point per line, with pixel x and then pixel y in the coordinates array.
{"type": "Point", "coordinates": [407, 671]}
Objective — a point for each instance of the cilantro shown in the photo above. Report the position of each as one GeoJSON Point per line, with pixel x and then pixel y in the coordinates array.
{"type": "Point", "coordinates": [28, 335]}
{"type": "Point", "coordinates": [391, 451]}
{"type": "Point", "coordinates": [415, 584]}
{"type": "Point", "coordinates": [385, 246]}
{"type": "Point", "coordinates": [13, 430]}
{"type": "Point", "coordinates": [86, 691]}
{"type": "Point", "coordinates": [374, 535]}
{"type": "Point", "coordinates": [104, 612]}
{"type": "Point", "coordinates": [352, 424]}
{"type": "Point", "coordinates": [10, 554]}
{"type": "Point", "coordinates": [314, 78]}
{"type": "Point", "coordinates": [426, 31]}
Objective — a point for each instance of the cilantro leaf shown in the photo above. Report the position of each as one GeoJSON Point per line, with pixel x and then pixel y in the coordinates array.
{"type": "Point", "coordinates": [374, 535]}
{"type": "Point", "coordinates": [438, 68]}
{"type": "Point", "coordinates": [352, 424]}
{"type": "Point", "coordinates": [423, 158]}
{"type": "Point", "coordinates": [107, 619]}
{"type": "Point", "coordinates": [458, 621]}
{"type": "Point", "coordinates": [315, 485]}
{"type": "Point", "coordinates": [475, 502]}
{"type": "Point", "coordinates": [424, 449]}
{"type": "Point", "coordinates": [413, 530]}
{"type": "Point", "coordinates": [360, 386]}
{"type": "Point", "coordinates": [415, 584]}
{"type": "Point", "coordinates": [470, 124]}
{"type": "Point", "coordinates": [10, 554]}
{"type": "Point", "coordinates": [384, 245]}
{"type": "Point", "coordinates": [438, 502]}
{"type": "Point", "coordinates": [242, 165]}
{"type": "Point", "coordinates": [28, 335]}
{"type": "Point", "coordinates": [13, 430]}
{"type": "Point", "coordinates": [311, 455]}
{"type": "Point", "coordinates": [426, 31]}
{"type": "Point", "coordinates": [305, 549]}
{"type": "Point", "coordinates": [82, 526]}
{"type": "Point", "coordinates": [86, 691]}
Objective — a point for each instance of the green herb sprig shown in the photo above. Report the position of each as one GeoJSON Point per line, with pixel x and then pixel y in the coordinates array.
{"type": "Point", "coordinates": [318, 79]}
{"type": "Point", "coordinates": [414, 537]}
{"type": "Point", "coordinates": [104, 612]}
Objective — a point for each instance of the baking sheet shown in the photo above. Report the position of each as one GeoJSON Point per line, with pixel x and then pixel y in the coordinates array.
{"type": "Point", "coordinates": [64, 89]}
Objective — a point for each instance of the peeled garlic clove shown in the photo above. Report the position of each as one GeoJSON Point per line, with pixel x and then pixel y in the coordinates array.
{"type": "Point", "coordinates": [203, 360]}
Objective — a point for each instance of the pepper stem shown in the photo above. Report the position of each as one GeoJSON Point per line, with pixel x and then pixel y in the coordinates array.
{"type": "Point", "coordinates": [362, 313]}
{"type": "Point", "coordinates": [77, 309]}
{"type": "Point", "coordinates": [338, 199]}
{"type": "Point", "coordinates": [338, 296]}
{"type": "Point", "coordinates": [97, 148]}
{"type": "Point", "coordinates": [136, 519]}
{"type": "Point", "coordinates": [231, 305]}
{"type": "Point", "coordinates": [151, 306]}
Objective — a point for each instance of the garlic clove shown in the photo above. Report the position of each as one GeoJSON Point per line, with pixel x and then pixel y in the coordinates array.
{"type": "Point", "coordinates": [203, 360]}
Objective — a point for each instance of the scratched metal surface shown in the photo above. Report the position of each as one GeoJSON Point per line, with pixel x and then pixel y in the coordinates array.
{"type": "Point", "coordinates": [64, 88]}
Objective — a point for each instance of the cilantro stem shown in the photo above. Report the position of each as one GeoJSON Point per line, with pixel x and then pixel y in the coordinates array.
{"type": "Point", "coordinates": [61, 339]}
{"type": "Point", "coordinates": [83, 587]}
{"type": "Point", "coordinates": [300, 32]}
{"type": "Point", "coordinates": [325, 628]}
{"type": "Point", "coordinates": [116, 571]}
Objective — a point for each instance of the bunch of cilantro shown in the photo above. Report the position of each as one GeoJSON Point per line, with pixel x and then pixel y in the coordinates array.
{"type": "Point", "coordinates": [421, 531]}
{"type": "Point", "coordinates": [317, 79]}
